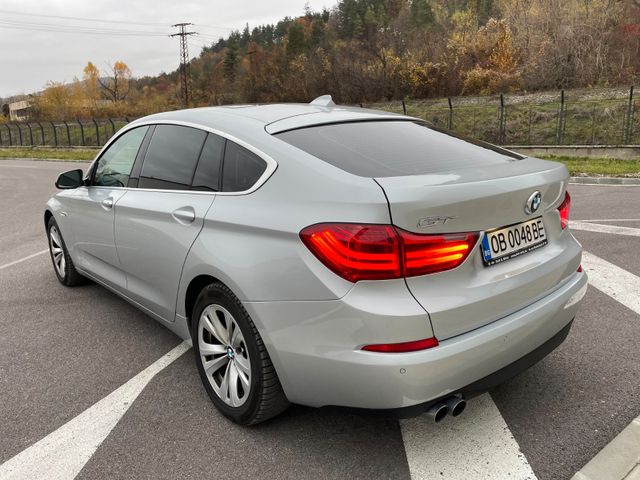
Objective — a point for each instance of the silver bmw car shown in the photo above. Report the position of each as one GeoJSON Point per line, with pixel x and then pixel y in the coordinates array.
{"type": "Point", "coordinates": [327, 256]}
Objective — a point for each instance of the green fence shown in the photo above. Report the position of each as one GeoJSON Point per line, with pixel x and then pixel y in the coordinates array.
{"type": "Point", "coordinates": [562, 121]}
{"type": "Point", "coordinates": [65, 133]}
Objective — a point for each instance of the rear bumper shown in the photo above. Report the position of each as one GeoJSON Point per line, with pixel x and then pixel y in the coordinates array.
{"type": "Point", "coordinates": [313, 374]}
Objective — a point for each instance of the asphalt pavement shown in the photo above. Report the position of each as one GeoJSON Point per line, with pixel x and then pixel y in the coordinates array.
{"type": "Point", "coordinates": [63, 350]}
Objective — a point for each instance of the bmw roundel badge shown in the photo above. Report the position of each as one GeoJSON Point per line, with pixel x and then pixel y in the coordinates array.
{"type": "Point", "coordinates": [533, 203]}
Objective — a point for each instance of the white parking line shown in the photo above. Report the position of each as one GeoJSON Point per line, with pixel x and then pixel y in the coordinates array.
{"type": "Point", "coordinates": [479, 444]}
{"type": "Point", "coordinates": [622, 286]}
{"type": "Point", "coordinates": [476, 445]}
{"type": "Point", "coordinates": [28, 257]}
{"type": "Point", "coordinates": [596, 227]}
{"type": "Point", "coordinates": [591, 220]}
{"type": "Point", "coordinates": [62, 454]}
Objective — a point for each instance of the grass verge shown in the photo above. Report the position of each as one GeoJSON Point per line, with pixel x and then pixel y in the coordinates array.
{"type": "Point", "coordinates": [65, 154]}
{"type": "Point", "coordinates": [598, 167]}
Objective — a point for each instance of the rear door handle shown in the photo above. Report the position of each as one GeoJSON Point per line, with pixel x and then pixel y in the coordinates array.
{"type": "Point", "coordinates": [184, 215]}
{"type": "Point", "coordinates": [107, 203]}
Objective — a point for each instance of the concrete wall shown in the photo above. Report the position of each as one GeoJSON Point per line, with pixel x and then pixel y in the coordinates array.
{"type": "Point", "coordinates": [625, 152]}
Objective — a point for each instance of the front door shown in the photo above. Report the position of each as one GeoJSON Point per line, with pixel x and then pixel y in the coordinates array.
{"type": "Point", "coordinates": [91, 210]}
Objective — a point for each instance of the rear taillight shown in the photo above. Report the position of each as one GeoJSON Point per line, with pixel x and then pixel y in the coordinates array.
{"type": "Point", "coordinates": [564, 209]}
{"type": "Point", "coordinates": [379, 252]}
{"type": "Point", "coordinates": [402, 347]}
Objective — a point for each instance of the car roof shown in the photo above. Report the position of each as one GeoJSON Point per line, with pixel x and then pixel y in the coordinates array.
{"type": "Point", "coordinates": [273, 118]}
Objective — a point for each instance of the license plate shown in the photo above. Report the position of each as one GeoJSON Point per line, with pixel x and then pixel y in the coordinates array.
{"type": "Point", "coordinates": [512, 241]}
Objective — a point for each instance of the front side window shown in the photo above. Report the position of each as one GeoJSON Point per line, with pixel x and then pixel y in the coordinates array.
{"type": "Point", "coordinates": [114, 166]}
{"type": "Point", "coordinates": [241, 169]}
{"type": "Point", "coordinates": [171, 157]}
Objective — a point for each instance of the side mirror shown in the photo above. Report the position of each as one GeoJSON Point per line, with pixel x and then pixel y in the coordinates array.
{"type": "Point", "coordinates": [69, 180]}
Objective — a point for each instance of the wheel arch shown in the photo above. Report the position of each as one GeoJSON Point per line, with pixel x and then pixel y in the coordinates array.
{"type": "Point", "coordinates": [193, 290]}
{"type": "Point", "coordinates": [47, 216]}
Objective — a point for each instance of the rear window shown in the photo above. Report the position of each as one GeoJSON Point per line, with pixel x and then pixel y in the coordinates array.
{"type": "Point", "coordinates": [392, 148]}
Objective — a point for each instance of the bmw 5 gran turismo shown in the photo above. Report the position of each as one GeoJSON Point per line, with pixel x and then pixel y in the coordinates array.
{"type": "Point", "coordinates": [327, 256]}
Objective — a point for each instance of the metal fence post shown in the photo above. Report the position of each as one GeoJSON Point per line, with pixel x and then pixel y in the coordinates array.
{"type": "Point", "coordinates": [9, 130]}
{"type": "Point", "coordinates": [627, 131]}
{"type": "Point", "coordinates": [560, 126]}
{"type": "Point", "coordinates": [113, 126]}
{"type": "Point", "coordinates": [126, 119]}
{"type": "Point", "coordinates": [501, 121]}
{"type": "Point", "coordinates": [404, 107]}
{"type": "Point", "coordinates": [450, 119]}
{"type": "Point", "coordinates": [68, 133]}
{"type": "Point", "coordinates": [41, 133]}
{"type": "Point", "coordinates": [593, 125]}
{"type": "Point", "coordinates": [529, 130]}
{"type": "Point", "coordinates": [81, 132]}
{"type": "Point", "coordinates": [55, 134]}
{"type": "Point", "coordinates": [30, 133]}
{"type": "Point", "coordinates": [97, 132]}
{"type": "Point", "coordinates": [19, 132]}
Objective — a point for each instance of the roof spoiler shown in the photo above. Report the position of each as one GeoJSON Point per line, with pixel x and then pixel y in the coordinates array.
{"type": "Point", "coordinates": [323, 101]}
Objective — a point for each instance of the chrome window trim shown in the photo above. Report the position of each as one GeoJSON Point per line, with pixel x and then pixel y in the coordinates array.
{"type": "Point", "coordinates": [272, 165]}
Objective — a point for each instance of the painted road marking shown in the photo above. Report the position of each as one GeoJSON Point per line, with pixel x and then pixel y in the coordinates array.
{"type": "Point", "coordinates": [596, 227]}
{"type": "Point", "coordinates": [479, 444]}
{"type": "Point", "coordinates": [609, 220]}
{"type": "Point", "coordinates": [476, 445]}
{"type": "Point", "coordinates": [62, 454]}
{"type": "Point", "coordinates": [24, 259]}
{"type": "Point", "coordinates": [619, 284]}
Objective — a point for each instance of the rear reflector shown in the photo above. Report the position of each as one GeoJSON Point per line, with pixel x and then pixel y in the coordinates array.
{"type": "Point", "coordinates": [402, 347]}
{"type": "Point", "coordinates": [379, 252]}
{"type": "Point", "coordinates": [564, 209]}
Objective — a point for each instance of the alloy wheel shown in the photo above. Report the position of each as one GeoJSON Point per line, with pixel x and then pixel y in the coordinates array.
{"type": "Point", "coordinates": [57, 252]}
{"type": "Point", "coordinates": [224, 355]}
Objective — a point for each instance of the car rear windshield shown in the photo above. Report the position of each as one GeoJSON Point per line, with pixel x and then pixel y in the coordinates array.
{"type": "Point", "coordinates": [393, 148]}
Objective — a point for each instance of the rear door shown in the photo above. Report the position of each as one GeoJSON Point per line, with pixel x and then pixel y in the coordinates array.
{"type": "Point", "coordinates": [158, 220]}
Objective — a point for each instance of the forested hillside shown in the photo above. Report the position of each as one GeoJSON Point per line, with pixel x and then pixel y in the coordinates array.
{"type": "Point", "coordinates": [364, 51]}
{"type": "Point", "coordinates": [367, 50]}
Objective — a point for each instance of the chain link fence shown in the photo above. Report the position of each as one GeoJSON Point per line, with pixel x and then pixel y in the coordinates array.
{"type": "Point", "coordinates": [66, 133]}
{"type": "Point", "coordinates": [502, 120]}
{"type": "Point", "coordinates": [562, 121]}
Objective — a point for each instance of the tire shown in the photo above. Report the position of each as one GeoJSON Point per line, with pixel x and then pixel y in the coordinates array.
{"type": "Point", "coordinates": [62, 264]}
{"type": "Point", "coordinates": [227, 345]}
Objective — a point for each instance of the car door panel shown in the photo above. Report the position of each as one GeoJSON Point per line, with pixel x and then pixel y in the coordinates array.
{"type": "Point", "coordinates": [154, 232]}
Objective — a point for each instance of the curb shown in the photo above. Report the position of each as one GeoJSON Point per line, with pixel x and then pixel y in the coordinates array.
{"type": "Point", "coordinates": [20, 159]}
{"type": "Point", "coordinates": [605, 180]}
{"type": "Point", "coordinates": [620, 460]}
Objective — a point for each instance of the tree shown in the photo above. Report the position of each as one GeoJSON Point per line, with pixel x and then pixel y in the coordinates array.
{"type": "Point", "coordinates": [116, 86]}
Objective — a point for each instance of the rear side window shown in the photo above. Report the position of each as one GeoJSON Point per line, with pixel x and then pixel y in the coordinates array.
{"type": "Point", "coordinates": [207, 176]}
{"type": "Point", "coordinates": [241, 169]}
{"type": "Point", "coordinates": [392, 148]}
{"type": "Point", "coordinates": [171, 157]}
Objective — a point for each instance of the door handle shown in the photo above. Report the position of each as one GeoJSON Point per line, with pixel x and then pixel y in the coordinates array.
{"type": "Point", "coordinates": [107, 203]}
{"type": "Point", "coordinates": [184, 215]}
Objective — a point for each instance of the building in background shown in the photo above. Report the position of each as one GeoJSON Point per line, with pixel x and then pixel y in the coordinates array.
{"type": "Point", "coordinates": [19, 111]}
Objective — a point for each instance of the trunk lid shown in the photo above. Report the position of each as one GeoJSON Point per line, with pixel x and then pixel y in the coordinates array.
{"type": "Point", "coordinates": [475, 200]}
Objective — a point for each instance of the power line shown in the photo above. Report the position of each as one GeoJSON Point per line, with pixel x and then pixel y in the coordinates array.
{"type": "Point", "coordinates": [185, 74]}
{"type": "Point", "coordinates": [76, 29]}
{"type": "Point", "coordinates": [84, 19]}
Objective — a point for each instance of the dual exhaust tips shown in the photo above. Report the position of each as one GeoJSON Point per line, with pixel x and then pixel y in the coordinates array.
{"type": "Point", "coordinates": [453, 406]}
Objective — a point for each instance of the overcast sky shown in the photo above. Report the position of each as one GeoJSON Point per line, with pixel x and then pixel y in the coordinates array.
{"type": "Point", "coordinates": [29, 59]}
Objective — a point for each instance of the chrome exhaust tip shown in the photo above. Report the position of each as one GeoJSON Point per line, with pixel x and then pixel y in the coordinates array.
{"type": "Point", "coordinates": [456, 405]}
{"type": "Point", "coordinates": [438, 411]}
